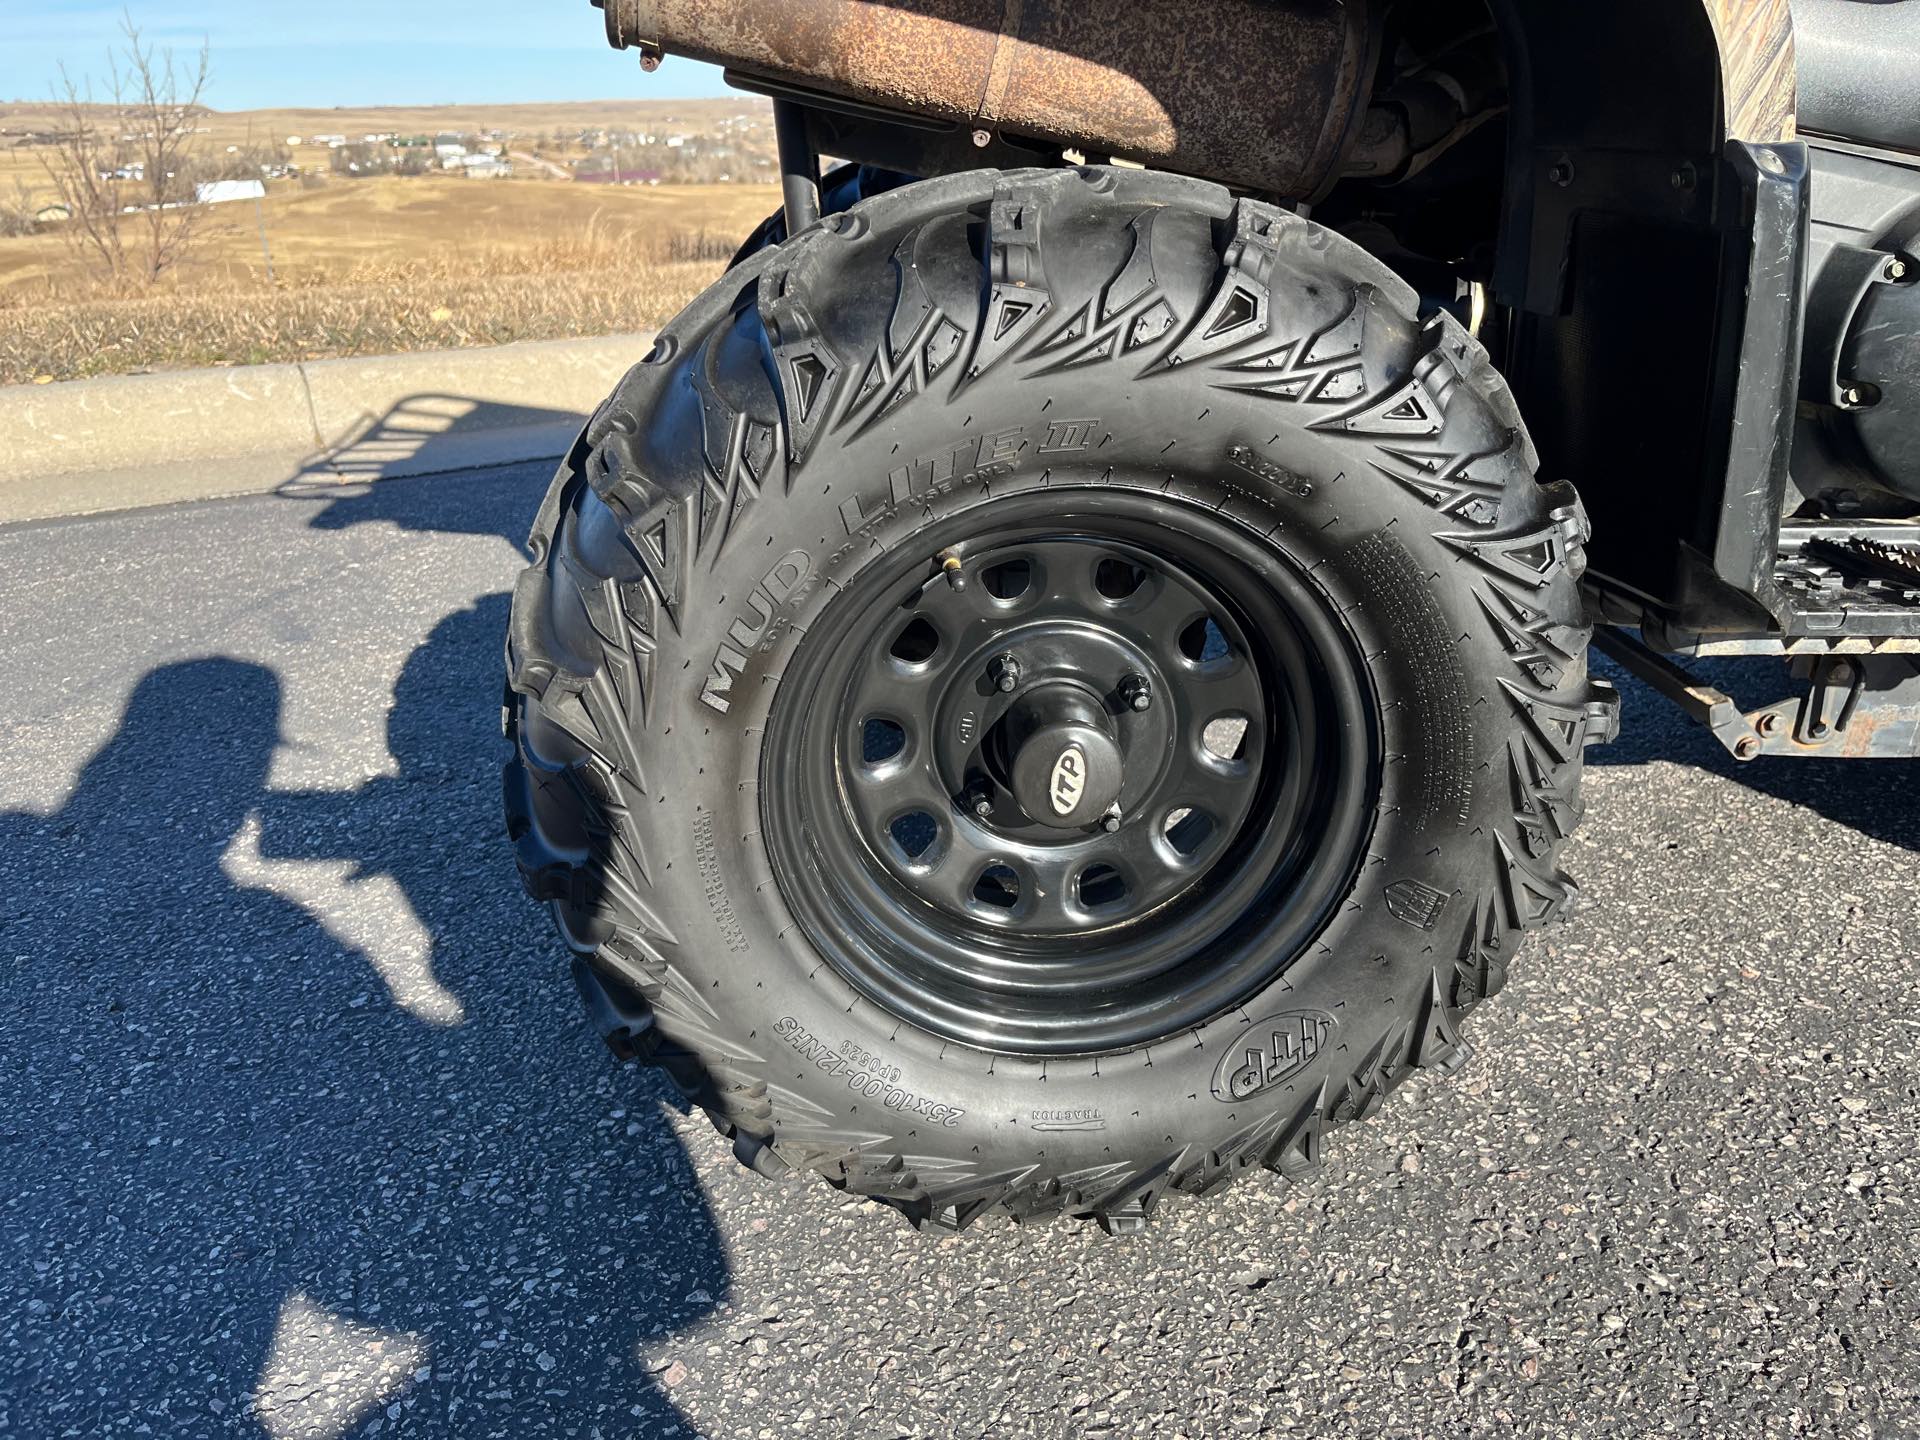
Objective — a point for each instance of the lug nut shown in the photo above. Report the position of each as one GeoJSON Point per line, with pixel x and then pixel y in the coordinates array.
{"type": "Point", "coordinates": [1005, 673]}
{"type": "Point", "coordinates": [1110, 821]}
{"type": "Point", "coordinates": [1136, 692]}
{"type": "Point", "coordinates": [1896, 270]}
{"type": "Point", "coordinates": [980, 800]}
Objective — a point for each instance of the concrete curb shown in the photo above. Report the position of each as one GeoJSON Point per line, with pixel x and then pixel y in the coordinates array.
{"type": "Point", "coordinates": [135, 440]}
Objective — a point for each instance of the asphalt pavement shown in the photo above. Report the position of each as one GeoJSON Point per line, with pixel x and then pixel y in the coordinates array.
{"type": "Point", "coordinates": [302, 1133]}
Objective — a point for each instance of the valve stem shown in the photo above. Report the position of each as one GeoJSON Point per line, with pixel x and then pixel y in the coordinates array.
{"type": "Point", "coordinates": [950, 567]}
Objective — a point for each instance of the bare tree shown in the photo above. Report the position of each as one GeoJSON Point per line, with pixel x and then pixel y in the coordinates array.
{"type": "Point", "coordinates": [18, 211]}
{"type": "Point", "coordinates": [86, 165]}
{"type": "Point", "coordinates": [123, 165]}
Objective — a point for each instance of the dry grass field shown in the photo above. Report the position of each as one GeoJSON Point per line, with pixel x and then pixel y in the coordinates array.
{"type": "Point", "coordinates": [375, 266]}
{"type": "Point", "coordinates": [380, 266]}
{"type": "Point", "coordinates": [327, 231]}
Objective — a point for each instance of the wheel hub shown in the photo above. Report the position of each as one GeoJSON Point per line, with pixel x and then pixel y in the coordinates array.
{"type": "Point", "coordinates": [1068, 767]}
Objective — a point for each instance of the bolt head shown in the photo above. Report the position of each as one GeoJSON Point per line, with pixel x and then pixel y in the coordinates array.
{"type": "Point", "coordinates": [982, 139]}
{"type": "Point", "coordinates": [1897, 269]}
{"type": "Point", "coordinates": [1746, 747]}
{"type": "Point", "coordinates": [1136, 693]}
{"type": "Point", "coordinates": [1110, 821]}
{"type": "Point", "coordinates": [1005, 674]}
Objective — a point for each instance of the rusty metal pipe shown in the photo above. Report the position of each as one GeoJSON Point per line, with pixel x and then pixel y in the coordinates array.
{"type": "Point", "coordinates": [1256, 93]}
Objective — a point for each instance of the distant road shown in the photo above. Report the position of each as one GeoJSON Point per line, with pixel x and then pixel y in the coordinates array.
{"type": "Point", "coordinates": [559, 172]}
{"type": "Point", "coordinates": [302, 1124]}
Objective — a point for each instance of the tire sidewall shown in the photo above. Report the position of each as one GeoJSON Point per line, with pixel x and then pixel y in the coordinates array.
{"type": "Point", "coordinates": [1367, 973]}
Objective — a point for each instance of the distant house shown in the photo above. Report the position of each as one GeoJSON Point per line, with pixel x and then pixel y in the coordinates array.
{"type": "Point", "coordinates": [225, 192]}
{"type": "Point", "coordinates": [482, 167]}
{"type": "Point", "coordinates": [601, 172]}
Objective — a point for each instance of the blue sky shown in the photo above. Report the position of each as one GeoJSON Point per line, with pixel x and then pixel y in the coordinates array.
{"type": "Point", "coordinates": [351, 52]}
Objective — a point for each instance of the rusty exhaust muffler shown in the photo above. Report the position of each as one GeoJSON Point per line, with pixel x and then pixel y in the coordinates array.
{"type": "Point", "coordinates": [1260, 94]}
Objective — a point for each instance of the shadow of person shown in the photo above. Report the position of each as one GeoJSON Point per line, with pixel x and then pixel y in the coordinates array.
{"type": "Point", "coordinates": [1877, 798]}
{"type": "Point", "coordinates": [258, 1190]}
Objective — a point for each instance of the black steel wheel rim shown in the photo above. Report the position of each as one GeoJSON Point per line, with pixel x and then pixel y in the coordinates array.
{"type": "Point", "coordinates": [916, 764]}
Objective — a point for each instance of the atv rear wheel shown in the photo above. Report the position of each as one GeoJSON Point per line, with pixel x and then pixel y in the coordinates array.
{"type": "Point", "coordinates": [1046, 690]}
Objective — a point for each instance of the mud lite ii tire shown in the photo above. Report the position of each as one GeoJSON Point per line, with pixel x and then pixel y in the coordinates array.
{"type": "Point", "coordinates": [772, 581]}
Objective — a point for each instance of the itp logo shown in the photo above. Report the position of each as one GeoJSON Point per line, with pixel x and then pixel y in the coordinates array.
{"type": "Point", "coordinates": [1267, 1053]}
{"type": "Point", "coordinates": [1069, 780]}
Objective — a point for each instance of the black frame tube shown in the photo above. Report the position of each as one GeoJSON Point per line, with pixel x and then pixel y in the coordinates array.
{"type": "Point", "coordinates": [799, 166]}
